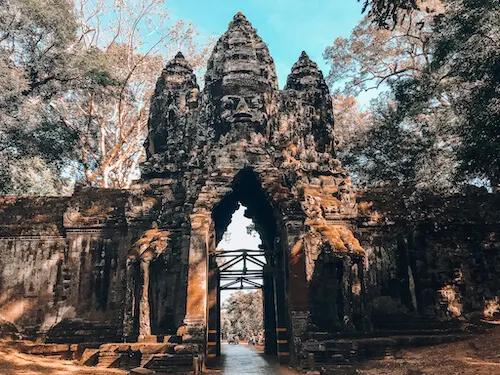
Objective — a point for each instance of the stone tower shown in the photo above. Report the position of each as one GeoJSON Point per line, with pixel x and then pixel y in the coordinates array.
{"type": "Point", "coordinates": [242, 140]}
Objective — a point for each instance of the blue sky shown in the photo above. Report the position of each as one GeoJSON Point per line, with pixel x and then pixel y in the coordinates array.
{"type": "Point", "coordinates": [287, 26]}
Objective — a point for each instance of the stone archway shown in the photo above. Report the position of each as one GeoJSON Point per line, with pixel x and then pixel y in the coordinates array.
{"type": "Point", "coordinates": [244, 140]}
{"type": "Point", "coordinates": [203, 298]}
{"type": "Point", "coordinates": [246, 189]}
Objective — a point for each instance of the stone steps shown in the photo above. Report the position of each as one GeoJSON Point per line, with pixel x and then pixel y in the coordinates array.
{"type": "Point", "coordinates": [78, 331]}
{"type": "Point", "coordinates": [170, 363]}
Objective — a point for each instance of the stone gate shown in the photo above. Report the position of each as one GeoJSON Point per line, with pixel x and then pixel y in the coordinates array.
{"type": "Point", "coordinates": [125, 266]}
{"type": "Point", "coordinates": [242, 140]}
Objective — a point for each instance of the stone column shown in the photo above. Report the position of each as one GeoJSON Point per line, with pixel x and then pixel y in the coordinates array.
{"type": "Point", "coordinates": [213, 311]}
{"type": "Point", "coordinates": [282, 326]}
{"type": "Point", "coordinates": [269, 312]}
{"type": "Point", "coordinates": [298, 285]}
{"type": "Point", "coordinates": [196, 307]}
{"type": "Point", "coordinates": [144, 309]}
{"type": "Point", "coordinates": [347, 293]}
{"type": "Point", "coordinates": [128, 312]}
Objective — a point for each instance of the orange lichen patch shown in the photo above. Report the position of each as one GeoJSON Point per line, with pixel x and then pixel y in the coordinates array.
{"type": "Point", "coordinates": [199, 221]}
{"type": "Point", "coordinates": [364, 208]}
{"type": "Point", "coordinates": [329, 189]}
{"type": "Point", "coordinates": [150, 200]}
{"type": "Point", "coordinates": [338, 236]}
{"type": "Point", "coordinates": [451, 295]}
{"type": "Point", "coordinates": [292, 148]}
{"type": "Point", "coordinates": [491, 308]}
{"type": "Point", "coordinates": [40, 217]}
{"type": "Point", "coordinates": [324, 194]}
{"type": "Point", "coordinates": [99, 209]}
{"type": "Point", "coordinates": [296, 250]}
{"type": "Point", "coordinates": [154, 240]}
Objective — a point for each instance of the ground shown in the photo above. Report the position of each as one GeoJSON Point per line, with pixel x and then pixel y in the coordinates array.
{"type": "Point", "coordinates": [478, 356]}
{"type": "Point", "coordinates": [13, 362]}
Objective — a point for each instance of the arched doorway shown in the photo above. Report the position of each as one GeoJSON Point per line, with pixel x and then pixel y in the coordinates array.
{"type": "Point", "coordinates": [264, 268]}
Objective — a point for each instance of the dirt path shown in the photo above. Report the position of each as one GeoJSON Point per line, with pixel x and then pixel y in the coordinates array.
{"type": "Point", "coordinates": [478, 356]}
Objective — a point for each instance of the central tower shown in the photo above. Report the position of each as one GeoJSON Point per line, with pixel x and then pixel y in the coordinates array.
{"type": "Point", "coordinates": [204, 148]}
{"type": "Point", "coordinates": [241, 81]}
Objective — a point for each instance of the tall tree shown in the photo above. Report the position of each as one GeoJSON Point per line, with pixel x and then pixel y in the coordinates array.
{"type": "Point", "coordinates": [76, 78]}
{"type": "Point", "coordinates": [467, 49]}
{"type": "Point", "coordinates": [243, 315]}
{"type": "Point", "coordinates": [410, 135]}
{"type": "Point", "coordinates": [38, 59]}
{"type": "Point", "coordinates": [110, 119]}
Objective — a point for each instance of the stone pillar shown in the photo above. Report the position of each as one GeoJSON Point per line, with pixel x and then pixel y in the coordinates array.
{"type": "Point", "coordinates": [298, 288]}
{"type": "Point", "coordinates": [282, 332]}
{"type": "Point", "coordinates": [269, 312]}
{"type": "Point", "coordinates": [128, 312]}
{"type": "Point", "coordinates": [299, 299]}
{"type": "Point", "coordinates": [218, 318]}
{"type": "Point", "coordinates": [144, 309]}
{"type": "Point", "coordinates": [196, 307]}
{"type": "Point", "coordinates": [365, 299]}
{"type": "Point", "coordinates": [347, 294]}
{"type": "Point", "coordinates": [282, 326]}
{"type": "Point", "coordinates": [213, 311]}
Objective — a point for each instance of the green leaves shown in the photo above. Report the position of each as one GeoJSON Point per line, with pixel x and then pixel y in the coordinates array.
{"type": "Point", "coordinates": [437, 125]}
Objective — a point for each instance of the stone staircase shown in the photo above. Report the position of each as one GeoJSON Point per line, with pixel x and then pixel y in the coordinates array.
{"type": "Point", "coordinates": [75, 331]}
{"type": "Point", "coordinates": [170, 356]}
{"type": "Point", "coordinates": [167, 357]}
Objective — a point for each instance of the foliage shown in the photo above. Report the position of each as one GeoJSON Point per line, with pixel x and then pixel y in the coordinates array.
{"type": "Point", "coordinates": [243, 315]}
{"type": "Point", "coordinates": [76, 79]}
{"type": "Point", "coordinates": [388, 12]}
{"type": "Point", "coordinates": [372, 57]}
{"type": "Point", "coordinates": [435, 126]}
{"type": "Point", "coordinates": [110, 117]}
{"type": "Point", "coordinates": [467, 49]}
{"type": "Point", "coordinates": [38, 59]}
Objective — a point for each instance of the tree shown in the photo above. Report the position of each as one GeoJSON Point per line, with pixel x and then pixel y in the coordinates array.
{"type": "Point", "coordinates": [387, 13]}
{"type": "Point", "coordinates": [110, 119]}
{"type": "Point", "coordinates": [410, 134]}
{"type": "Point", "coordinates": [373, 57]}
{"type": "Point", "coordinates": [75, 83]}
{"type": "Point", "coordinates": [351, 124]}
{"type": "Point", "coordinates": [38, 59]}
{"type": "Point", "coordinates": [467, 49]}
{"type": "Point", "coordinates": [243, 315]}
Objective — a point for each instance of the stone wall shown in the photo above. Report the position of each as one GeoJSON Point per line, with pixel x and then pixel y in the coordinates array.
{"type": "Point", "coordinates": [110, 265]}
{"type": "Point", "coordinates": [433, 256]}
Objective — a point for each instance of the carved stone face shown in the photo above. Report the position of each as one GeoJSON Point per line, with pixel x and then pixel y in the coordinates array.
{"type": "Point", "coordinates": [244, 109]}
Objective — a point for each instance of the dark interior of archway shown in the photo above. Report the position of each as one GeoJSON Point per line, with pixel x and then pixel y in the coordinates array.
{"type": "Point", "coordinates": [247, 191]}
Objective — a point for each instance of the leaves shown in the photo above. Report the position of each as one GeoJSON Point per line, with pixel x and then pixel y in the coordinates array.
{"type": "Point", "coordinates": [243, 315]}
{"type": "Point", "coordinates": [76, 81]}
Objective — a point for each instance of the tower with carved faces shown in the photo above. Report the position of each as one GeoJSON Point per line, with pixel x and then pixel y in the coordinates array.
{"type": "Point", "coordinates": [243, 140]}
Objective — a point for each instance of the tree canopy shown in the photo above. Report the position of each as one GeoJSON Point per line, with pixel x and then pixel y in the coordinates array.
{"type": "Point", "coordinates": [75, 82]}
{"type": "Point", "coordinates": [435, 123]}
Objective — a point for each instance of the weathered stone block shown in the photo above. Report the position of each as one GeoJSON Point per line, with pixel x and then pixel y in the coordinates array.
{"type": "Point", "coordinates": [141, 371]}
{"type": "Point", "coordinates": [90, 357]}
